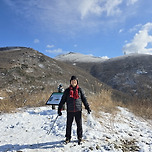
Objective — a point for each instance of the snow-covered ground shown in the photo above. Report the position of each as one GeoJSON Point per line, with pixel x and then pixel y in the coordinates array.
{"type": "Point", "coordinates": [26, 131]}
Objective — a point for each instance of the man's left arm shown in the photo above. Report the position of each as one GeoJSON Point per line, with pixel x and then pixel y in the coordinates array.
{"type": "Point", "coordinates": [85, 102]}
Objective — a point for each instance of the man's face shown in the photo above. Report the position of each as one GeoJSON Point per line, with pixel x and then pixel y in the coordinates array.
{"type": "Point", "coordinates": [73, 83]}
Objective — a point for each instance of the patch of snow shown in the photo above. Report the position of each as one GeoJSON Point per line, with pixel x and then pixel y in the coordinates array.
{"type": "Point", "coordinates": [30, 70]}
{"type": "Point", "coordinates": [26, 130]}
{"type": "Point", "coordinates": [148, 86]}
{"type": "Point", "coordinates": [8, 90]}
{"type": "Point", "coordinates": [41, 65]}
{"type": "Point", "coordinates": [16, 49]}
{"type": "Point", "coordinates": [1, 98]}
{"type": "Point", "coordinates": [141, 72]}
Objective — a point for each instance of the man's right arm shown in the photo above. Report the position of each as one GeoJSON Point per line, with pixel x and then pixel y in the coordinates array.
{"type": "Point", "coordinates": [62, 102]}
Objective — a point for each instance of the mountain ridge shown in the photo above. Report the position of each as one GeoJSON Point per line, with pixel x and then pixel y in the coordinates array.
{"type": "Point", "coordinates": [28, 77]}
{"type": "Point", "coordinates": [130, 74]}
{"type": "Point", "coordinates": [78, 57]}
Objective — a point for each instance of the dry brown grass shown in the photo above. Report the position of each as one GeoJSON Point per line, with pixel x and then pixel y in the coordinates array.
{"type": "Point", "coordinates": [13, 101]}
{"type": "Point", "coordinates": [38, 99]}
{"type": "Point", "coordinates": [106, 101]}
{"type": "Point", "coordinates": [103, 102]}
{"type": "Point", "coordinates": [142, 108]}
{"type": "Point", "coordinates": [6, 106]}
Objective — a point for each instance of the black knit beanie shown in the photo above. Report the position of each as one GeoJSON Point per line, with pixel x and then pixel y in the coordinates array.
{"type": "Point", "coordinates": [74, 78]}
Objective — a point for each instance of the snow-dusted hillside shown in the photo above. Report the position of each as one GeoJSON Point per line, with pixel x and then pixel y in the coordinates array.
{"type": "Point", "coordinates": [77, 57]}
{"type": "Point", "coordinates": [28, 75]}
{"type": "Point", "coordinates": [26, 131]}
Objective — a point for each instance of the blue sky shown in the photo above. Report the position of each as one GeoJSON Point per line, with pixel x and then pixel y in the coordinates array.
{"type": "Point", "coordinates": [97, 27]}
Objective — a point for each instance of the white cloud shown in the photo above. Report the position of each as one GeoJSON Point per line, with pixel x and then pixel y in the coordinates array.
{"type": "Point", "coordinates": [50, 46]}
{"type": "Point", "coordinates": [36, 41]}
{"type": "Point", "coordinates": [56, 51]}
{"type": "Point", "coordinates": [135, 28]}
{"type": "Point", "coordinates": [131, 2]}
{"type": "Point", "coordinates": [121, 30]}
{"type": "Point", "coordinates": [87, 7]}
{"type": "Point", "coordinates": [142, 41]}
{"type": "Point", "coordinates": [73, 15]}
{"type": "Point", "coordinates": [112, 7]}
{"type": "Point", "coordinates": [98, 7]}
{"type": "Point", "coordinates": [75, 45]}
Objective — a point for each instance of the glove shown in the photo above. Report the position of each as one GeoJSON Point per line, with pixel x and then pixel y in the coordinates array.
{"type": "Point", "coordinates": [89, 110]}
{"type": "Point", "coordinates": [59, 113]}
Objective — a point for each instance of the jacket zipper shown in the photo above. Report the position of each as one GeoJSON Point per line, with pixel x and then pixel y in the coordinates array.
{"type": "Point", "coordinates": [74, 105]}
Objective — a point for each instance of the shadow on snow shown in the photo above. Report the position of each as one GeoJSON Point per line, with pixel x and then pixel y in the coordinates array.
{"type": "Point", "coordinates": [44, 112]}
{"type": "Point", "coordinates": [17, 147]}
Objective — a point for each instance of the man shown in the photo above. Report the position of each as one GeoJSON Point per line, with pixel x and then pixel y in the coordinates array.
{"type": "Point", "coordinates": [73, 97]}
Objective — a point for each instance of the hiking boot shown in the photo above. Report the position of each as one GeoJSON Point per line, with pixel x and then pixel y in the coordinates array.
{"type": "Point", "coordinates": [79, 141]}
{"type": "Point", "coordinates": [67, 140]}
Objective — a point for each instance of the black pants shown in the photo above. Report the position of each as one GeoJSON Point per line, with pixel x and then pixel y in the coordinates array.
{"type": "Point", "coordinates": [78, 119]}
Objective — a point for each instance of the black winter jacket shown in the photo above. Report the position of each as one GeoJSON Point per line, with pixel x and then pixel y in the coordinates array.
{"type": "Point", "coordinates": [73, 105]}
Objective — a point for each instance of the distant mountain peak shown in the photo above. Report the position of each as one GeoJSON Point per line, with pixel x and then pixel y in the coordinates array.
{"type": "Point", "coordinates": [78, 57]}
{"type": "Point", "coordinates": [71, 53]}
